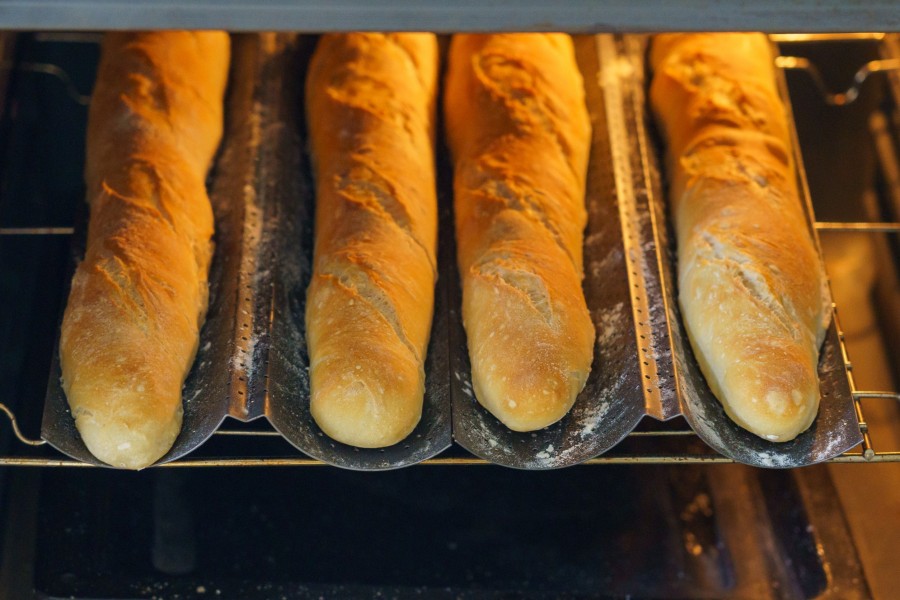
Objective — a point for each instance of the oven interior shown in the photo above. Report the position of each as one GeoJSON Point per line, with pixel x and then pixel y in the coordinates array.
{"type": "Point", "coordinates": [440, 530]}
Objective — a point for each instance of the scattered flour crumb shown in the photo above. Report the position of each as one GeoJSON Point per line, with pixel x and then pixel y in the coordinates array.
{"type": "Point", "coordinates": [611, 319]}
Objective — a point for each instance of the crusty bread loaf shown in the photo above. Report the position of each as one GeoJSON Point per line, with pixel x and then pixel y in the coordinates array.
{"type": "Point", "coordinates": [130, 329]}
{"type": "Point", "coordinates": [751, 285]}
{"type": "Point", "coordinates": [370, 106]}
{"type": "Point", "coordinates": [519, 133]}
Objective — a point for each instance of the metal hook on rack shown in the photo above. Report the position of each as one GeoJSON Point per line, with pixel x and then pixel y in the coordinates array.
{"type": "Point", "coordinates": [868, 450]}
{"type": "Point", "coordinates": [16, 430]}
{"type": "Point", "coordinates": [797, 63]}
{"type": "Point", "coordinates": [53, 70]}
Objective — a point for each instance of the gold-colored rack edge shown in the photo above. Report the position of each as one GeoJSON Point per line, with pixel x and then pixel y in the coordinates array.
{"type": "Point", "coordinates": [625, 459]}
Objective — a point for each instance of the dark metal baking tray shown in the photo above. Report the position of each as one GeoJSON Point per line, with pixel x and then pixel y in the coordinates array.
{"type": "Point", "coordinates": [836, 428]}
{"type": "Point", "coordinates": [252, 360]}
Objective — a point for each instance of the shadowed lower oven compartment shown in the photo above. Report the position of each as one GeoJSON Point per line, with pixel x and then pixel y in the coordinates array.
{"type": "Point", "coordinates": [650, 531]}
{"type": "Point", "coordinates": [720, 531]}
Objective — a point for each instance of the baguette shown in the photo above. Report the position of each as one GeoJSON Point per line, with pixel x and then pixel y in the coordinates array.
{"type": "Point", "coordinates": [752, 290]}
{"type": "Point", "coordinates": [131, 326]}
{"type": "Point", "coordinates": [370, 106]}
{"type": "Point", "coordinates": [519, 134]}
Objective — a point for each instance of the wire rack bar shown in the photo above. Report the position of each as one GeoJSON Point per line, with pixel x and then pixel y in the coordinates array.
{"type": "Point", "coordinates": [293, 461]}
{"type": "Point", "coordinates": [247, 433]}
{"type": "Point", "coordinates": [37, 230]}
{"type": "Point", "coordinates": [851, 93]}
{"type": "Point", "coordinates": [866, 227]}
{"type": "Point", "coordinates": [275, 434]}
{"type": "Point", "coordinates": [821, 226]}
{"type": "Point", "coordinates": [15, 427]}
{"type": "Point", "coordinates": [887, 395]}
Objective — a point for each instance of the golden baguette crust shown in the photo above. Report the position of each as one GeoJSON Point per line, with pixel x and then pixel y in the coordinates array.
{"type": "Point", "coordinates": [750, 281]}
{"type": "Point", "coordinates": [519, 133]}
{"type": "Point", "coordinates": [131, 325]}
{"type": "Point", "coordinates": [370, 105]}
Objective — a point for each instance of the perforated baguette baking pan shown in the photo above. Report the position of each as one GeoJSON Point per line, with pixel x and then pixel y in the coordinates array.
{"type": "Point", "coordinates": [836, 428]}
{"type": "Point", "coordinates": [252, 360]}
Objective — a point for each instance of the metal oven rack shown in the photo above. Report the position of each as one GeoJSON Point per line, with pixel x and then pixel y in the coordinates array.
{"type": "Point", "coordinates": [654, 444]}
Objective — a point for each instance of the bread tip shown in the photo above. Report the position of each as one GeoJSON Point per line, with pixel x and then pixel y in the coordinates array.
{"type": "Point", "coordinates": [354, 415]}
{"type": "Point", "coordinates": [778, 415]}
{"type": "Point", "coordinates": [123, 445]}
{"type": "Point", "coordinates": [523, 406]}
